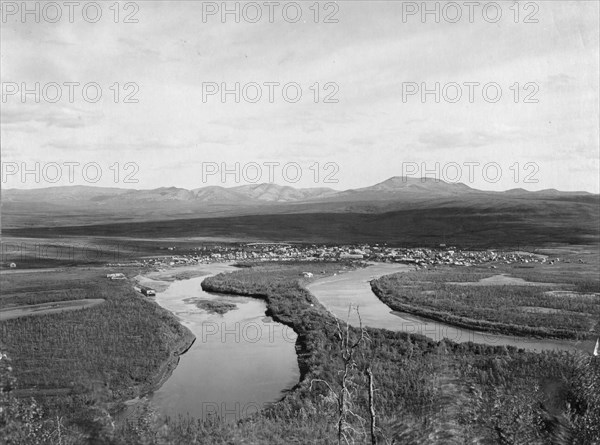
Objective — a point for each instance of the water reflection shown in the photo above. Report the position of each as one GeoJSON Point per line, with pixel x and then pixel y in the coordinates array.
{"type": "Point", "coordinates": [339, 291]}
{"type": "Point", "coordinates": [240, 362]}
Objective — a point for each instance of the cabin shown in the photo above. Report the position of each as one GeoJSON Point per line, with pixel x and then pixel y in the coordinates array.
{"type": "Point", "coordinates": [145, 290]}
{"type": "Point", "coordinates": [149, 292]}
{"type": "Point", "coordinates": [115, 276]}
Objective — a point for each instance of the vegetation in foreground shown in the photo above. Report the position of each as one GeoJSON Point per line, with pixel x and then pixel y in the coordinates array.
{"type": "Point", "coordinates": [80, 363]}
{"type": "Point", "coordinates": [441, 294]}
{"type": "Point", "coordinates": [212, 306]}
{"type": "Point", "coordinates": [425, 392]}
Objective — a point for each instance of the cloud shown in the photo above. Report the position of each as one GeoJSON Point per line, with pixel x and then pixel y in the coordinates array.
{"type": "Point", "coordinates": [170, 53]}
{"type": "Point", "coordinates": [50, 116]}
{"type": "Point", "coordinates": [560, 81]}
{"type": "Point", "coordinates": [218, 139]}
{"type": "Point", "coordinates": [115, 145]}
{"type": "Point", "coordinates": [441, 139]}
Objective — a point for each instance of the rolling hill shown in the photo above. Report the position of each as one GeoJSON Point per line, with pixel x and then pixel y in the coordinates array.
{"type": "Point", "coordinates": [398, 210]}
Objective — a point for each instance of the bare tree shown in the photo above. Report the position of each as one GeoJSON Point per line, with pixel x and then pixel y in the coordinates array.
{"type": "Point", "coordinates": [372, 414]}
{"type": "Point", "coordinates": [344, 397]}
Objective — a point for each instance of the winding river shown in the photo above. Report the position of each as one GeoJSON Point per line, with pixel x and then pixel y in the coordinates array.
{"type": "Point", "coordinates": [241, 361]}
{"type": "Point", "coordinates": [336, 293]}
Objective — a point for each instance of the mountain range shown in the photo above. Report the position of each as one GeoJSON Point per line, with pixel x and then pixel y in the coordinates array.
{"type": "Point", "coordinates": [398, 207]}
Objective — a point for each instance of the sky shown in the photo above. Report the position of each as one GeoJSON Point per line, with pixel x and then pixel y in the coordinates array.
{"type": "Point", "coordinates": [341, 101]}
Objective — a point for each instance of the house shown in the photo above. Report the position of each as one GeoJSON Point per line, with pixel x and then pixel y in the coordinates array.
{"type": "Point", "coordinates": [115, 276]}
{"type": "Point", "coordinates": [148, 291]}
{"type": "Point", "coordinates": [145, 290]}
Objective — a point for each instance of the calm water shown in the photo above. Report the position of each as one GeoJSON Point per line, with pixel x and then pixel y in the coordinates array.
{"type": "Point", "coordinates": [241, 361]}
{"type": "Point", "coordinates": [339, 291]}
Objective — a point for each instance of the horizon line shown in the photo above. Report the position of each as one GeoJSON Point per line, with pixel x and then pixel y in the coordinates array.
{"type": "Point", "coordinates": [405, 179]}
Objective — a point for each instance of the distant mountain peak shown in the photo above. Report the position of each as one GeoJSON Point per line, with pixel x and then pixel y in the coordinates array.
{"type": "Point", "coordinates": [281, 193]}
{"type": "Point", "coordinates": [89, 205]}
{"type": "Point", "coordinates": [408, 184]}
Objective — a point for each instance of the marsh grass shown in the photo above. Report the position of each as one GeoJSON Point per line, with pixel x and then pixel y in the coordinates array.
{"type": "Point", "coordinates": [495, 308]}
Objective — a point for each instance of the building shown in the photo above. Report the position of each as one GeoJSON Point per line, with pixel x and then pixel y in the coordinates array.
{"type": "Point", "coordinates": [145, 290]}
{"type": "Point", "coordinates": [115, 276]}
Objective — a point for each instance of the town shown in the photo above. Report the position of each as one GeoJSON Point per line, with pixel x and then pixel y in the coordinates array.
{"type": "Point", "coordinates": [253, 252]}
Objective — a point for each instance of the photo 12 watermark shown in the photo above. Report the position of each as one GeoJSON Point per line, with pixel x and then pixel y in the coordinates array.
{"type": "Point", "coordinates": [470, 12]}
{"type": "Point", "coordinates": [438, 332]}
{"type": "Point", "coordinates": [230, 411]}
{"type": "Point", "coordinates": [246, 332]}
{"type": "Point", "coordinates": [270, 92]}
{"type": "Point", "coordinates": [471, 172]}
{"type": "Point", "coordinates": [69, 92]}
{"type": "Point", "coordinates": [69, 12]}
{"type": "Point", "coordinates": [471, 92]}
{"type": "Point", "coordinates": [270, 12]}
{"type": "Point", "coordinates": [70, 172]}
{"type": "Point", "coordinates": [269, 172]}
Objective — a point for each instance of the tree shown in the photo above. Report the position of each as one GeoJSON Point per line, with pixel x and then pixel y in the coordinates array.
{"type": "Point", "coordinates": [349, 342]}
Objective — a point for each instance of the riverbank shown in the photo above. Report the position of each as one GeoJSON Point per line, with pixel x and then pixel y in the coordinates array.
{"type": "Point", "coordinates": [177, 348]}
{"type": "Point", "coordinates": [355, 288]}
{"type": "Point", "coordinates": [301, 345]}
{"type": "Point", "coordinates": [128, 408]}
{"type": "Point", "coordinates": [511, 306]}
{"type": "Point", "coordinates": [84, 365]}
{"type": "Point", "coordinates": [175, 343]}
{"type": "Point", "coordinates": [473, 324]}
{"type": "Point", "coordinates": [305, 414]}
{"type": "Point", "coordinates": [417, 380]}
{"type": "Point", "coordinates": [243, 360]}
{"type": "Point", "coordinates": [290, 280]}
{"type": "Point", "coordinates": [411, 374]}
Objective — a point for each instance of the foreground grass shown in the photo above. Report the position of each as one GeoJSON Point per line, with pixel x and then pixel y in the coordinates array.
{"type": "Point", "coordinates": [507, 309]}
{"type": "Point", "coordinates": [426, 392]}
{"type": "Point", "coordinates": [106, 353]}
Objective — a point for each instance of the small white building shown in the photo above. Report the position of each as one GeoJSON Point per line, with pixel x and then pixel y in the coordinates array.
{"type": "Point", "coordinates": [115, 276]}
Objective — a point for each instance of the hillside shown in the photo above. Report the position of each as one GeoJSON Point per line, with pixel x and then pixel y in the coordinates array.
{"type": "Point", "coordinates": [78, 205]}
{"type": "Point", "coordinates": [458, 226]}
{"type": "Point", "coordinates": [399, 211]}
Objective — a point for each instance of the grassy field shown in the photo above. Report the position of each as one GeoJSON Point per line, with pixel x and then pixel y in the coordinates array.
{"type": "Point", "coordinates": [54, 307]}
{"type": "Point", "coordinates": [51, 252]}
{"type": "Point", "coordinates": [460, 225]}
{"type": "Point", "coordinates": [425, 392]}
{"type": "Point", "coordinates": [560, 300]}
{"type": "Point", "coordinates": [106, 353]}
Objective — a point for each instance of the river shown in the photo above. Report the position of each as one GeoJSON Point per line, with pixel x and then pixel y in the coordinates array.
{"type": "Point", "coordinates": [241, 361]}
{"type": "Point", "coordinates": [336, 293]}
